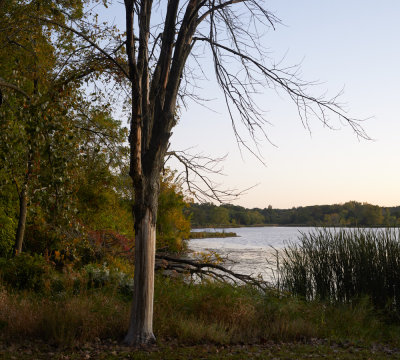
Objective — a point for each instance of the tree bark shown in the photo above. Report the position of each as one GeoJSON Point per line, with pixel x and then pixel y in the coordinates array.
{"type": "Point", "coordinates": [23, 207]}
{"type": "Point", "coordinates": [141, 322]}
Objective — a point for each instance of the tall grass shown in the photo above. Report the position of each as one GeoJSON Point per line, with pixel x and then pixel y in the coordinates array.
{"type": "Point", "coordinates": [342, 265]}
{"type": "Point", "coordinates": [65, 320]}
{"type": "Point", "coordinates": [189, 313]}
{"type": "Point", "coordinates": [339, 266]}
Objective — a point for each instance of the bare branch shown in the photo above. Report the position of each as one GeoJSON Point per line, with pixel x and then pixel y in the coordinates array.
{"type": "Point", "coordinates": [197, 169]}
{"type": "Point", "coordinates": [217, 7]}
{"type": "Point", "coordinates": [91, 42]}
{"type": "Point", "coordinates": [289, 82]}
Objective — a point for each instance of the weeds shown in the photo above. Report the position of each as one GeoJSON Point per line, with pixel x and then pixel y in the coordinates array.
{"type": "Point", "coordinates": [345, 265]}
{"type": "Point", "coordinates": [342, 277]}
{"type": "Point", "coordinates": [190, 314]}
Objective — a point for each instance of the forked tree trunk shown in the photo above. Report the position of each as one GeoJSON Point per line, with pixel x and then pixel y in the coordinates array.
{"type": "Point", "coordinates": [154, 100]}
{"type": "Point", "coordinates": [23, 207]}
{"type": "Point", "coordinates": [141, 321]}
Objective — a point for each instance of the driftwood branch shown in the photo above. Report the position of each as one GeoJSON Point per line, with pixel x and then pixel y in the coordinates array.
{"type": "Point", "coordinates": [207, 270]}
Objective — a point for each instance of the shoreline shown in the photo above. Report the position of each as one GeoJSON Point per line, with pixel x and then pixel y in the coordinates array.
{"type": "Point", "coordinates": [211, 234]}
{"type": "Point", "coordinates": [294, 225]}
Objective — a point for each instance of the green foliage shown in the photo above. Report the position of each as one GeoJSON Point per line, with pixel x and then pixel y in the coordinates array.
{"type": "Point", "coordinates": [8, 226]}
{"type": "Point", "coordinates": [62, 145]}
{"type": "Point", "coordinates": [211, 234]}
{"type": "Point", "coordinates": [24, 272]}
{"type": "Point", "coordinates": [211, 312]}
{"type": "Point", "coordinates": [56, 141]}
{"type": "Point", "coordinates": [41, 236]}
{"type": "Point", "coordinates": [351, 213]}
{"type": "Point", "coordinates": [188, 313]}
{"type": "Point", "coordinates": [102, 276]}
{"type": "Point", "coordinates": [173, 226]}
{"type": "Point", "coordinates": [209, 215]}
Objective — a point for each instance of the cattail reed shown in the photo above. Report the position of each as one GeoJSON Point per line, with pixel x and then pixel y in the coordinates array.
{"type": "Point", "coordinates": [342, 265]}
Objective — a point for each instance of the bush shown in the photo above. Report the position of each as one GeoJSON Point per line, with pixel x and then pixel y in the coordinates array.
{"type": "Point", "coordinates": [40, 236]}
{"type": "Point", "coordinates": [75, 251]}
{"type": "Point", "coordinates": [188, 313]}
{"type": "Point", "coordinates": [108, 243]}
{"type": "Point", "coordinates": [8, 228]}
{"type": "Point", "coordinates": [99, 276]}
{"type": "Point", "coordinates": [24, 272]}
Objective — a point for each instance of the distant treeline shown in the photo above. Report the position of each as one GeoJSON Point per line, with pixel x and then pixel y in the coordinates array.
{"type": "Point", "coordinates": [351, 213]}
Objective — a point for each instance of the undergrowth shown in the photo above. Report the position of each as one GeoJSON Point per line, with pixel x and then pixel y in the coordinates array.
{"type": "Point", "coordinates": [188, 313]}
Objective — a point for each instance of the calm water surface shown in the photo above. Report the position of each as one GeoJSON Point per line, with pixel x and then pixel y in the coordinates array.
{"type": "Point", "coordinates": [250, 251]}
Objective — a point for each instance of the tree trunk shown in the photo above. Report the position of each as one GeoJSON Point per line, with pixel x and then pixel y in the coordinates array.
{"type": "Point", "coordinates": [141, 322]}
{"type": "Point", "coordinates": [23, 207]}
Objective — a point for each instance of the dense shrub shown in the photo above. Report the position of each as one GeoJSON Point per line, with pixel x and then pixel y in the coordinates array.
{"type": "Point", "coordinates": [41, 236]}
{"type": "Point", "coordinates": [108, 243]}
{"type": "Point", "coordinates": [103, 276]}
{"type": "Point", "coordinates": [173, 225]}
{"type": "Point", "coordinates": [8, 227]}
{"type": "Point", "coordinates": [24, 272]}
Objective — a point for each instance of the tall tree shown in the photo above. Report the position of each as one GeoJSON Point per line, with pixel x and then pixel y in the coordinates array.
{"type": "Point", "coordinates": [160, 37]}
{"type": "Point", "coordinates": [27, 55]}
{"type": "Point", "coordinates": [44, 112]}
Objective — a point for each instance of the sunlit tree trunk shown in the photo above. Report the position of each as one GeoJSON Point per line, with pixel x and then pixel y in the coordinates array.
{"type": "Point", "coordinates": [153, 116]}
{"type": "Point", "coordinates": [141, 324]}
{"type": "Point", "coordinates": [146, 189]}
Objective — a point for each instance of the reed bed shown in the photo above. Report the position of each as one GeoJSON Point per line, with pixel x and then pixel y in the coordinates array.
{"type": "Point", "coordinates": [344, 265]}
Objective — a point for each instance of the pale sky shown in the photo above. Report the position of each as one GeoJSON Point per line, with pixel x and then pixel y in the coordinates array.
{"type": "Point", "coordinates": [352, 44]}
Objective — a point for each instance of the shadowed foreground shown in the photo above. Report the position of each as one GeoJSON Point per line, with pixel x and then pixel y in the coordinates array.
{"type": "Point", "coordinates": [172, 350]}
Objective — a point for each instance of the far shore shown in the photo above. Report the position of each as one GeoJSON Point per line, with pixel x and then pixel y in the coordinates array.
{"type": "Point", "coordinates": [231, 226]}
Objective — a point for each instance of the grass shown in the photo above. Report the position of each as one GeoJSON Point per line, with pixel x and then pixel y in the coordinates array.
{"type": "Point", "coordinates": [205, 313]}
{"type": "Point", "coordinates": [344, 265]}
{"type": "Point", "coordinates": [209, 320]}
{"type": "Point", "coordinates": [63, 320]}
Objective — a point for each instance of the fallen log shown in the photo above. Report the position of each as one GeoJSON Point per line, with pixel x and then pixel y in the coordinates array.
{"type": "Point", "coordinates": [204, 270]}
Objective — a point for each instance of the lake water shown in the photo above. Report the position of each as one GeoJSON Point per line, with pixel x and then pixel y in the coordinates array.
{"type": "Point", "coordinates": [250, 252]}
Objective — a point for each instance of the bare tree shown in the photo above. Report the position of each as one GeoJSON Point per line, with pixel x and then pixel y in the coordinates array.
{"type": "Point", "coordinates": [156, 67]}
{"type": "Point", "coordinates": [160, 37]}
{"type": "Point", "coordinates": [197, 172]}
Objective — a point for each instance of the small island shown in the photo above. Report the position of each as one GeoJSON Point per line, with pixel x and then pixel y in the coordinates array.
{"type": "Point", "coordinates": [211, 234]}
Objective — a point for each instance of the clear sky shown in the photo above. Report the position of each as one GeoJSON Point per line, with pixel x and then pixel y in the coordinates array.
{"type": "Point", "coordinates": [351, 44]}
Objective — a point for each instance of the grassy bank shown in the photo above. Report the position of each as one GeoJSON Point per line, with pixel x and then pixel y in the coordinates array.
{"type": "Point", "coordinates": [88, 308]}
{"type": "Point", "coordinates": [189, 314]}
